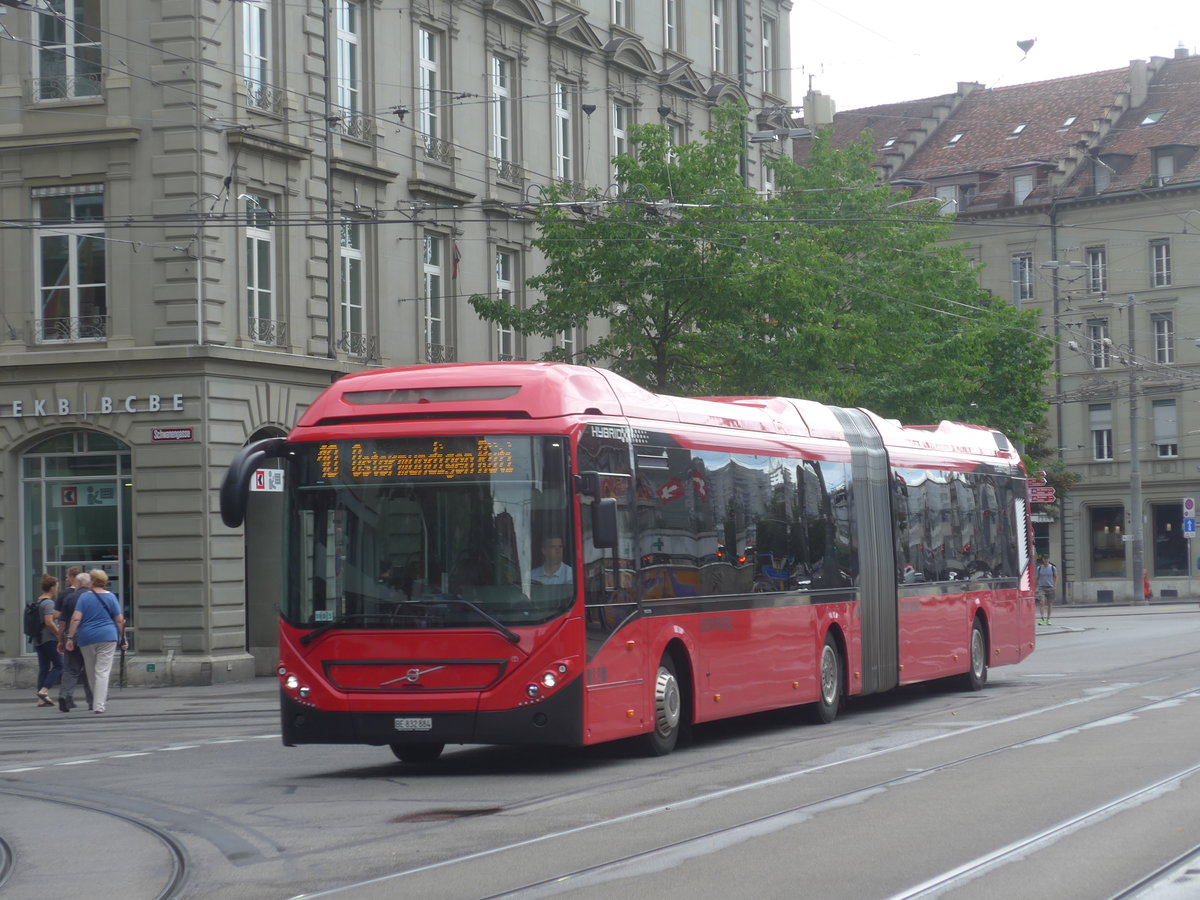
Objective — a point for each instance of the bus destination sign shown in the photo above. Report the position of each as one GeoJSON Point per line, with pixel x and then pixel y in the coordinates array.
{"type": "Point", "coordinates": [355, 462]}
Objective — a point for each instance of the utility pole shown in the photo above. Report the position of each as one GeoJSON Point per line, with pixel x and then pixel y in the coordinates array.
{"type": "Point", "coordinates": [1135, 466]}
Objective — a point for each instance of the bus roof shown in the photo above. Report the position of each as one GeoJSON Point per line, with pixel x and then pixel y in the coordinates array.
{"type": "Point", "coordinates": [544, 390]}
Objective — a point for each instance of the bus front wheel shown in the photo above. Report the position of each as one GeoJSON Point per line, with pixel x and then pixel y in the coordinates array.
{"type": "Point", "coordinates": [668, 711]}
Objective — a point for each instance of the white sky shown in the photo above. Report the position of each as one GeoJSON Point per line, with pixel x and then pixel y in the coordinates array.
{"type": "Point", "coordinates": [869, 52]}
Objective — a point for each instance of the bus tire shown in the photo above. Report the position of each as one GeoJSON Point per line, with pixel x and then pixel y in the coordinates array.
{"type": "Point", "coordinates": [417, 753]}
{"type": "Point", "coordinates": [668, 711]}
{"type": "Point", "coordinates": [829, 682]}
{"type": "Point", "coordinates": [976, 676]}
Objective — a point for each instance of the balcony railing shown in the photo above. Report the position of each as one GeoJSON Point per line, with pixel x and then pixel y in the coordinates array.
{"type": "Point", "coordinates": [263, 97]}
{"type": "Point", "coordinates": [362, 346]}
{"type": "Point", "coordinates": [438, 150]}
{"type": "Point", "coordinates": [510, 172]}
{"type": "Point", "coordinates": [79, 329]}
{"type": "Point", "coordinates": [61, 88]}
{"type": "Point", "coordinates": [267, 331]}
{"type": "Point", "coordinates": [440, 353]}
{"type": "Point", "coordinates": [356, 126]}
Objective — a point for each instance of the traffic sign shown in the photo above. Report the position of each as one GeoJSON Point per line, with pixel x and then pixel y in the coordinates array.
{"type": "Point", "coordinates": [1189, 508]}
{"type": "Point", "coordinates": [1042, 495]}
{"type": "Point", "coordinates": [1189, 528]}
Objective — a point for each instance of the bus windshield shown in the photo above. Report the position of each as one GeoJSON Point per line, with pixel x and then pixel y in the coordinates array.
{"type": "Point", "coordinates": [431, 532]}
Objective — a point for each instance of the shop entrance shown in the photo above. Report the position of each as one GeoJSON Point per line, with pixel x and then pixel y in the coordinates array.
{"type": "Point", "coordinates": [76, 510]}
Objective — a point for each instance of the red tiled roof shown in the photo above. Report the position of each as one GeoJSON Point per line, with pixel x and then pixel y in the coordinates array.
{"type": "Point", "coordinates": [1028, 129]}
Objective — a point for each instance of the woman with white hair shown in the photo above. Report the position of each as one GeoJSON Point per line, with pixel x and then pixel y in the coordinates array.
{"type": "Point", "coordinates": [96, 627]}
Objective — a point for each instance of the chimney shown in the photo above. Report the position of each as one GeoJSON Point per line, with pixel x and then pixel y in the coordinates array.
{"type": "Point", "coordinates": [818, 110]}
{"type": "Point", "coordinates": [1139, 82]}
{"type": "Point", "coordinates": [1181, 51]}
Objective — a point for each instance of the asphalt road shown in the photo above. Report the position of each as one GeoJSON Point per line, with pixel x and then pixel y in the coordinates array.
{"type": "Point", "coordinates": [1073, 775]}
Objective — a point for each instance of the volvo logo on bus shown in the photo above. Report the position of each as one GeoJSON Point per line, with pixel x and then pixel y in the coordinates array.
{"type": "Point", "coordinates": [412, 676]}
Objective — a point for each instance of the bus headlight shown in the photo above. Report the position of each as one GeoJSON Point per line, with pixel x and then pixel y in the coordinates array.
{"type": "Point", "coordinates": [532, 690]}
{"type": "Point", "coordinates": [291, 682]}
{"type": "Point", "coordinates": [549, 680]}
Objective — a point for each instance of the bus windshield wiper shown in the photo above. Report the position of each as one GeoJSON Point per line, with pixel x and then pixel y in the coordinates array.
{"type": "Point", "coordinates": [508, 633]}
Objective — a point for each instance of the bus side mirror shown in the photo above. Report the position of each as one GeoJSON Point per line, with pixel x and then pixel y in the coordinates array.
{"type": "Point", "coordinates": [236, 484]}
{"type": "Point", "coordinates": [604, 522]}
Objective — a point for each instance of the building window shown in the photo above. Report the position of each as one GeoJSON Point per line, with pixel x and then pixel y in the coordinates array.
{"type": "Point", "coordinates": [564, 144]}
{"type": "Point", "coordinates": [1100, 425]}
{"type": "Point", "coordinates": [1022, 188]}
{"type": "Point", "coordinates": [622, 118]}
{"type": "Point", "coordinates": [349, 67]}
{"type": "Point", "coordinates": [1016, 132]}
{"type": "Point", "coordinates": [429, 96]}
{"type": "Point", "coordinates": [955, 138]}
{"type": "Point", "coordinates": [354, 338]}
{"type": "Point", "coordinates": [947, 195]}
{"type": "Point", "coordinates": [67, 62]}
{"type": "Point", "coordinates": [265, 327]}
{"type": "Point", "coordinates": [506, 336]}
{"type": "Point", "coordinates": [71, 265]}
{"type": "Point", "coordinates": [1154, 117]}
{"type": "Point", "coordinates": [437, 345]}
{"type": "Point", "coordinates": [1102, 174]}
{"type": "Point", "coordinates": [1166, 429]}
{"type": "Point", "coordinates": [501, 109]}
{"type": "Point", "coordinates": [256, 53]}
{"type": "Point", "coordinates": [718, 35]}
{"type": "Point", "coordinates": [1160, 262]}
{"type": "Point", "coordinates": [1164, 166]}
{"type": "Point", "coordinates": [1099, 343]}
{"type": "Point", "coordinates": [671, 34]}
{"type": "Point", "coordinates": [566, 343]}
{"type": "Point", "coordinates": [1022, 275]}
{"type": "Point", "coordinates": [1170, 546]}
{"type": "Point", "coordinates": [620, 12]}
{"type": "Point", "coordinates": [1106, 524]}
{"type": "Point", "coordinates": [1067, 123]}
{"type": "Point", "coordinates": [1097, 270]}
{"type": "Point", "coordinates": [770, 55]}
{"type": "Point", "coordinates": [1164, 338]}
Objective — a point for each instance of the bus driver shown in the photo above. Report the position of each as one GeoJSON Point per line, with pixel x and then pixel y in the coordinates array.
{"type": "Point", "coordinates": [552, 570]}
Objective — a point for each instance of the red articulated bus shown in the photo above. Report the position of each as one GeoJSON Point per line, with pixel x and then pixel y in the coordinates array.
{"type": "Point", "coordinates": [539, 553]}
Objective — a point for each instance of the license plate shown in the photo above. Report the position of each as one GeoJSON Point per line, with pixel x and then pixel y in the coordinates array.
{"type": "Point", "coordinates": [412, 723]}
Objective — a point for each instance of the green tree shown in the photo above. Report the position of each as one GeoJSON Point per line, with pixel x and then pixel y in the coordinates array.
{"type": "Point", "coordinates": [837, 289]}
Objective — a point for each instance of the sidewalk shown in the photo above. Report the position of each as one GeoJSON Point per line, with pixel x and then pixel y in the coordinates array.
{"type": "Point", "coordinates": [20, 705]}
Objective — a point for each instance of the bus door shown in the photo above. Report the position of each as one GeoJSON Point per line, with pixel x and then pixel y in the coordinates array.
{"type": "Point", "coordinates": [616, 664]}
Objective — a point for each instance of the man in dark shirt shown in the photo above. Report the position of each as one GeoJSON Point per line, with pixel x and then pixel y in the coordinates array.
{"type": "Point", "coordinates": [73, 668]}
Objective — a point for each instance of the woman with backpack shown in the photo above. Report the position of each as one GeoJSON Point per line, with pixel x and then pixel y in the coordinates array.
{"type": "Point", "coordinates": [97, 626]}
{"type": "Point", "coordinates": [45, 640]}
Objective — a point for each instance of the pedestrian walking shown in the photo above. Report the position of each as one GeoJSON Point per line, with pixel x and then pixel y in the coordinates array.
{"type": "Point", "coordinates": [74, 671]}
{"type": "Point", "coordinates": [1046, 576]}
{"type": "Point", "coordinates": [98, 626]}
{"type": "Point", "coordinates": [50, 664]}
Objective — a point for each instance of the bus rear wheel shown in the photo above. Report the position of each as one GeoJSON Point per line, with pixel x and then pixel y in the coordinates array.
{"type": "Point", "coordinates": [826, 708]}
{"type": "Point", "coordinates": [417, 753]}
{"type": "Point", "coordinates": [668, 711]}
{"type": "Point", "coordinates": [976, 676]}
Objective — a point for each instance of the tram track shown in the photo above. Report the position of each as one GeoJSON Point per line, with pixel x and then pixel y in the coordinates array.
{"type": "Point", "coordinates": [173, 881]}
{"type": "Point", "coordinates": [671, 853]}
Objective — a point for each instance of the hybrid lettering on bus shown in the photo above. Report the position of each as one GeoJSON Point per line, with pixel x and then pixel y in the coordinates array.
{"type": "Point", "coordinates": [540, 553]}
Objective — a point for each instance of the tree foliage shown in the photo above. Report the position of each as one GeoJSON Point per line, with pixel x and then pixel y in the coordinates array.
{"type": "Point", "coordinates": [836, 288]}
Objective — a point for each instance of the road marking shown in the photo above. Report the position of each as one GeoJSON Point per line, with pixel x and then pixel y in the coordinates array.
{"type": "Point", "coordinates": [128, 755]}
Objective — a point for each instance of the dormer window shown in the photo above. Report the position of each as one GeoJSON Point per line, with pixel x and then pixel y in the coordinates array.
{"type": "Point", "coordinates": [1016, 132]}
{"type": "Point", "coordinates": [1154, 116]}
{"type": "Point", "coordinates": [1164, 166]}
{"type": "Point", "coordinates": [1022, 188]}
{"type": "Point", "coordinates": [953, 142]}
